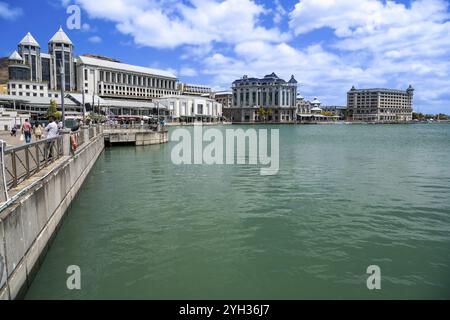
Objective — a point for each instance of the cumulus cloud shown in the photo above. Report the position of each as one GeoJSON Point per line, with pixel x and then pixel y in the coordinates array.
{"type": "Point", "coordinates": [169, 24]}
{"type": "Point", "coordinates": [9, 13]}
{"type": "Point", "coordinates": [95, 39]}
{"type": "Point", "coordinates": [279, 12]}
{"type": "Point", "coordinates": [373, 42]}
{"type": "Point", "coordinates": [319, 72]}
{"type": "Point", "coordinates": [401, 44]}
{"type": "Point", "coordinates": [188, 72]}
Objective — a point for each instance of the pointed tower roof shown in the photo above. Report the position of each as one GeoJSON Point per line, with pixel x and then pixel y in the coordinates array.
{"type": "Point", "coordinates": [15, 56]}
{"type": "Point", "coordinates": [28, 40]}
{"type": "Point", "coordinates": [316, 101]}
{"type": "Point", "coordinates": [293, 80]}
{"type": "Point", "coordinates": [272, 75]}
{"type": "Point", "coordinates": [60, 37]}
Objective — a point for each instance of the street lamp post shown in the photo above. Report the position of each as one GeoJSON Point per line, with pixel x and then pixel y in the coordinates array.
{"type": "Point", "coordinates": [84, 106]}
{"type": "Point", "coordinates": [63, 83]}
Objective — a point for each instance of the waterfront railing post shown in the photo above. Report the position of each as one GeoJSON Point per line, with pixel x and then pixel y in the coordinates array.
{"type": "Point", "coordinates": [65, 142]}
{"type": "Point", "coordinates": [85, 133]}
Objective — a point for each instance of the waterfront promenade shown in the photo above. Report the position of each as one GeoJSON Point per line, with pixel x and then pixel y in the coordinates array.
{"type": "Point", "coordinates": [11, 141]}
{"type": "Point", "coordinates": [40, 181]}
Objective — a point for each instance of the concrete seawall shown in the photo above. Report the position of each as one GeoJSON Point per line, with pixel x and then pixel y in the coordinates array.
{"type": "Point", "coordinates": [29, 223]}
{"type": "Point", "coordinates": [139, 137]}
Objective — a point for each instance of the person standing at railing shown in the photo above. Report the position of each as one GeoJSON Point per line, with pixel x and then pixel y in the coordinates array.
{"type": "Point", "coordinates": [51, 131]}
{"type": "Point", "coordinates": [26, 131]}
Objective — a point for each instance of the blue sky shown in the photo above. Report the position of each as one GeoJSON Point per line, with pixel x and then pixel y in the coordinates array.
{"type": "Point", "coordinates": [329, 45]}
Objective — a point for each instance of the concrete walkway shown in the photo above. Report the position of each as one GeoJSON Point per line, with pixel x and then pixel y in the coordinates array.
{"type": "Point", "coordinates": [13, 141]}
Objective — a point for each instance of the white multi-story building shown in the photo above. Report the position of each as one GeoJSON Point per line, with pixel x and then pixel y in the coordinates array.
{"type": "Point", "coordinates": [276, 96]}
{"type": "Point", "coordinates": [189, 109]}
{"type": "Point", "coordinates": [194, 90]}
{"type": "Point", "coordinates": [110, 79]}
{"type": "Point", "coordinates": [10, 119]}
{"type": "Point", "coordinates": [380, 105]}
{"type": "Point", "coordinates": [34, 75]}
{"type": "Point", "coordinates": [225, 98]}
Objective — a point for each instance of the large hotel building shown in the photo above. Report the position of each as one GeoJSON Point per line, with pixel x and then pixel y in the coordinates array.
{"type": "Point", "coordinates": [380, 105]}
{"type": "Point", "coordinates": [123, 89]}
{"type": "Point", "coordinates": [271, 93]}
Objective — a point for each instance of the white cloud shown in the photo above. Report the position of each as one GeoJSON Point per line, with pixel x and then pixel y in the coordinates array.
{"type": "Point", "coordinates": [279, 12]}
{"type": "Point", "coordinates": [169, 24]}
{"type": "Point", "coordinates": [375, 42]}
{"type": "Point", "coordinates": [188, 72]}
{"type": "Point", "coordinates": [398, 43]}
{"type": "Point", "coordinates": [86, 27]}
{"type": "Point", "coordinates": [9, 13]}
{"type": "Point", "coordinates": [95, 39]}
{"type": "Point", "coordinates": [318, 72]}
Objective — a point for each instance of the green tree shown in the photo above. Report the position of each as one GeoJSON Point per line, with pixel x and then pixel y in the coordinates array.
{"type": "Point", "coordinates": [417, 116]}
{"type": "Point", "coordinates": [269, 112]}
{"type": "Point", "coordinates": [327, 113]}
{"type": "Point", "coordinates": [52, 109]}
{"type": "Point", "coordinates": [262, 113]}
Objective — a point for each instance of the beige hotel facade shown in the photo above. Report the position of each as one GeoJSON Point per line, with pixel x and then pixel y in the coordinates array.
{"type": "Point", "coordinates": [380, 105]}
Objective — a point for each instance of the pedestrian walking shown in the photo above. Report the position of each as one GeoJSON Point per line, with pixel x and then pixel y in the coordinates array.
{"type": "Point", "coordinates": [26, 131]}
{"type": "Point", "coordinates": [38, 132]}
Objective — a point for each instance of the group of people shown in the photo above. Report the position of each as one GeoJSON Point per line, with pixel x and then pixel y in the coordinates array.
{"type": "Point", "coordinates": [27, 130]}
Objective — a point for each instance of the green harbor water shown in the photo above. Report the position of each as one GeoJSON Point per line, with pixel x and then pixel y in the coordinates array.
{"type": "Point", "coordinates": [346, 197]}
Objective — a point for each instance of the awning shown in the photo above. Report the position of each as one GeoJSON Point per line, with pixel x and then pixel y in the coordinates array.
{"type": "Point", "coordinates": [88, 98]}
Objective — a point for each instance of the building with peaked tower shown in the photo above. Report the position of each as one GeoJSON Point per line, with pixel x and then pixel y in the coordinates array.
{"type": "Point", "coordinates": [270, 99]}
{"type": "Point", "coordinates": [96, 81]}
{"type": "Point", "coordinates": [61, 53]}
{"type": "Point", "coordinates": [33, 73]}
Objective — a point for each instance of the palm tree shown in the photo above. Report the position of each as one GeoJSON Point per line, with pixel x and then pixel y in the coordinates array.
{"type": "Point", "coordinates": [262, 113]}
{"type": "Point", "coordinates": [269, 112]}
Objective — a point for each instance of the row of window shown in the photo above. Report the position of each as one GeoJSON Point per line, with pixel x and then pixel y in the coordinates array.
{"type": "Point", "coordinates": [132, 91]}
{"type": "Point", "coordinates": [135, 80]}
{"type": "Point", "coordinates": [33, 94]}
{"type": "Point", "coordinates": [12, 86]}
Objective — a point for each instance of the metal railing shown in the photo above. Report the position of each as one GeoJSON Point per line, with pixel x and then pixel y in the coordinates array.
{"type": "Point", "coordinates": [24, 161]}
{"type": "Point", "coordinates": [92, 132]}
{"type": "Point", "coordinates": [153, 127]}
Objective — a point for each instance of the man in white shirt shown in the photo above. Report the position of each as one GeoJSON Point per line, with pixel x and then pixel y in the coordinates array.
{"type": "Point", "coordinates": [51, 129]}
